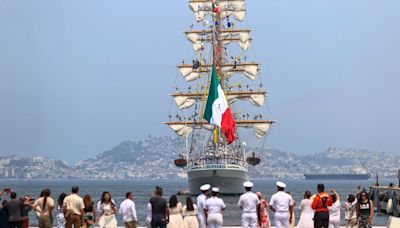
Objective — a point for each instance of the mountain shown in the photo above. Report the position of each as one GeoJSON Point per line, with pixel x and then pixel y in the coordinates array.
{"type": "Point", "coordinates": [152, 158]}
{"type": "Point", "coordinates": [36, 167]}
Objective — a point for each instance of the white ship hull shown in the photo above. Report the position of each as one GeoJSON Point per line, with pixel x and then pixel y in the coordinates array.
{"type": "Point", "coordinates": [228, 177]}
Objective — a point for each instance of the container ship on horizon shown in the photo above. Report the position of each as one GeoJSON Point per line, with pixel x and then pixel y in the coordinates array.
{"type": "Point", "coordinates": [332, 176]}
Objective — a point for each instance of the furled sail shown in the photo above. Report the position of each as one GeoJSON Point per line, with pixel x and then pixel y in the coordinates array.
{"type": "Point", "coordinates": [240, 36]}
{"type": "Point", "coordinates": [182, 129]}
{"type": "Point", "coordinates": [227, 8]}
{"type": "Point", "coordinates": [260, 127]}
{"type": "Point", "coordinates": [250, 70]}
{"type": "Point", "coordinates": [184, 101]}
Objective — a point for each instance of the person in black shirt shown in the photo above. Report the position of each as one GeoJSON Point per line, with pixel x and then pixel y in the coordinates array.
{"type": "Point", "coordinates": [4, 215]}
{"type": "Point", "coordinates": [14, 207]}
{"type": "Point", "coordinates": [365, 211]}
{"type": "Point", "coordinates": [26, 208]}
{"type": "Point", "coordinates": [159, 210]}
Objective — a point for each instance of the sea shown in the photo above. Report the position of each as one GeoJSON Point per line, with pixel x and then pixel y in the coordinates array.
{"type": "Point", "coordinates": [142, 190]}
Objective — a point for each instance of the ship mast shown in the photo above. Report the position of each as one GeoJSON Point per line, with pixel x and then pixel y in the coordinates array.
{"type": "Point", "coordinates": [219, 37]}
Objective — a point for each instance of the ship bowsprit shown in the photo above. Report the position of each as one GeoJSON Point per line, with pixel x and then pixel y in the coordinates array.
{"type": "Point", "coordinates": [228, 177]}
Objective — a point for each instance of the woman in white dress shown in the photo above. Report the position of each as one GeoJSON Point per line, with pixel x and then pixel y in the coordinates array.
{"type": "Point", "coordinates": [307, 213]}
{"type": "Point", "coordinates": [334, 210]}
{"type": "Point", "coordinates": [190, 214]}
{"type": "Point", "coordinates": [175, 213]}
{"type": "Point", "coordinates": [106, 209]}
{"type": "Point", "coordinates": [60, 219]}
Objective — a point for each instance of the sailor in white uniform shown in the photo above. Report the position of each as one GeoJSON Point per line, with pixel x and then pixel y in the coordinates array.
{"type": "Point", "coordinates": [201, 204]}
{"type": "Point", "coordinates": [213, 210]}
{"type": "Point", "coordinates": [281, 204]}
{"type": "Point", "coordinates": [248, 203]}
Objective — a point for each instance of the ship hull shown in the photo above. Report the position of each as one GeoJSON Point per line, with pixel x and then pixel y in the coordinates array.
{"type": "Point", "coordinates": [228, 177]}
{"type": "Point", "coordinates": [337, 176]}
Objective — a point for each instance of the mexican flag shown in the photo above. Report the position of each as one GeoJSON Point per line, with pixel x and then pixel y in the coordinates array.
{"type": "Point", "coordinates": [217, 111]}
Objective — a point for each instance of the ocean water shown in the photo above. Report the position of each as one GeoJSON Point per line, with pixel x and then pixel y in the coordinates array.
{"type": "Point", "coordinates": [143, 189]}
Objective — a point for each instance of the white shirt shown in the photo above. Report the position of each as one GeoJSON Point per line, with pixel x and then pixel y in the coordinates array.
{"type": "Point", "coordinates": [334, 211]}
{"type": "Point", "coordinates": [215, 205]}
{"type": "Point", "coordinates": [128, 211]}
{"type": "Point", "coordinates": [201, 203]}
{"type": "Point", "coordinates": [249, 201]}
{"type": "Point", "coordinates": [350, 210]}
{"type": "Point", "coordinates": [281, 201]}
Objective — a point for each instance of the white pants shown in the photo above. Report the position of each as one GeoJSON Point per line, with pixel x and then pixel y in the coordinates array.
{"type": "Point", "coordinates": [249, 220]}
{"type": "Point", "coordinates": [202, 220]}
{"type": "Point", "coordinates": [214, 220]}
{"type": "Point", "coordinates": [334, 223]}
{"type": "Point", "coordinates": [282, 219]}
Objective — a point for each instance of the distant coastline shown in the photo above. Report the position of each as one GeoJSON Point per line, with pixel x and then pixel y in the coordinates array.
{"type": "Point", "coordinates": [152, 158]}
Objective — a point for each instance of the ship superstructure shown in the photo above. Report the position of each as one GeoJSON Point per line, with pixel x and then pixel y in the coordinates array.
{"type": "Point", "coordinates": [208, 157]}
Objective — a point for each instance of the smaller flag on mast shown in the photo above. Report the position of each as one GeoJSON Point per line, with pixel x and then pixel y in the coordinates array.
{"type": "Point", "coordinates": [217, 111]}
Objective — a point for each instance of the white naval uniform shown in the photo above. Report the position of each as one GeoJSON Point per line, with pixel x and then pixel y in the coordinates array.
{"type": "Point", "coordinates": [249, 201]}
{"type": "Point", "coordinates": [281, 201]}
{"type": "Point", "coordinates": [215, 205]}
{"type": "Point", "coordinates": [201, 204]}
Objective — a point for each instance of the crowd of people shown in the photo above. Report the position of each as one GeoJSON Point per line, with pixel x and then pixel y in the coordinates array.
{"type": "Point", "coordinates": [321, 210]}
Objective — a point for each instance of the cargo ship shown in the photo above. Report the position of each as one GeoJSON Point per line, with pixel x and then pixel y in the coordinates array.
{"type": "Point", "coordinates": [359, 173]}
{"type": "Point", "coordinates": [331, 176]}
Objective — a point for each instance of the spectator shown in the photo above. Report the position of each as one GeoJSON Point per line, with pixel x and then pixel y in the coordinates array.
{"type": "Point", "coordinates": [159, 210]}
{"type": "Point", "coordinates": [320, 204]}
{"type": "Point", "coordinates": [128, 211]}
{"type": "Point", "coordinates": [73, 209]}
{"type": "Point", "coordinates": [45, 205]}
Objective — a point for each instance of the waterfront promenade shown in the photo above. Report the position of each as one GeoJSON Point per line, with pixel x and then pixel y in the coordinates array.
{"type": "Point", "coordinates": [237, 227]}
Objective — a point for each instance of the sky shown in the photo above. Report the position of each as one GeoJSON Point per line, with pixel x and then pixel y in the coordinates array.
{"type": "Point", "coordinates": [78, 77]}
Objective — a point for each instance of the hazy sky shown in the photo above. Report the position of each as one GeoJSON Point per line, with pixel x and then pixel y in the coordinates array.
{"type": "Point", "coordinates": [78, 77]}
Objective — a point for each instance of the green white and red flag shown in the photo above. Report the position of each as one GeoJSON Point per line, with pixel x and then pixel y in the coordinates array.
{"type": "Point", "coordinates": [217, 111]}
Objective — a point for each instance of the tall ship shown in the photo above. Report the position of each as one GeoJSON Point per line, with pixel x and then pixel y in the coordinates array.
{"type": "Point", "coordinates": [359, 173]}
{"type": "Point", "coordinates": [216, 97]}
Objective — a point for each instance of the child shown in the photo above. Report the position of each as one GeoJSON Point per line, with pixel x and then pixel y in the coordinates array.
{"type": "Point", "coordinates": [350, 214]}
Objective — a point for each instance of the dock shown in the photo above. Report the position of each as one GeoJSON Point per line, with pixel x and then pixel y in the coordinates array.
{"type": "Point", "coordinates": [393, 222]}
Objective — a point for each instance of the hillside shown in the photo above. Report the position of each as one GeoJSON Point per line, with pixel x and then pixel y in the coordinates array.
{"type": "Point", "coordinates": [152, 158]}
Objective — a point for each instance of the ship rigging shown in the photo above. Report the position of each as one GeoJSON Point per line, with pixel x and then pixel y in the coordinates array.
{"type": "Point", "coordinates": [209, 157]}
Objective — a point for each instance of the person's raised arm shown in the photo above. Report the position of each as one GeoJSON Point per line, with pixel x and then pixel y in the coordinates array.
{"type": "Point", "coordinates": [336, 194]}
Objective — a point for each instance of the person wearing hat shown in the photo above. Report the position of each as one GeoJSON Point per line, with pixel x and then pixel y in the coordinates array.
{"type": "Point", "coordinates": [213, 210]}
{"type": "Point", "coordinates": [248, 203]}
{"type": "Point", "coordinates": [201, 204]}
{"type": "Point", "coordinates": [281, 204]}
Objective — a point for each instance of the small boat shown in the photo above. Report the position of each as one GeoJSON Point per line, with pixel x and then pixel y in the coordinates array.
{"type": "Point", "coordinates": [253, 160]}
{"type": "Point", "coordinates": [180, 162]}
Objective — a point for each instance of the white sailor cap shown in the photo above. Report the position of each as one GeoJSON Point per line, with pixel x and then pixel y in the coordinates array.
{"type": "Point", "coordinates": [205, 187]}
{"type": "Point", "coordinates": [215, 189]}
{"type": "Point", "coordinates": [280, 184]}
{"type": "Point", "coordinates": [248, 184]}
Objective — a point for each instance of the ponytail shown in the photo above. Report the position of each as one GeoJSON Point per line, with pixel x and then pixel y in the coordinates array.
{"type": "Point", "coordinates": [46, 193]}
